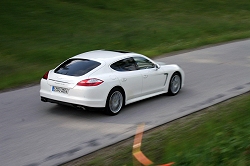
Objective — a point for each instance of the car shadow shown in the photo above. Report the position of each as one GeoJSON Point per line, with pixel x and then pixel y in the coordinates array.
{"type": "Point", "coordinates": [147, 110]}
{"type": "Point", "coordinates": [67, 110]}
{"type": "Point", "coordinates": [136, 109]}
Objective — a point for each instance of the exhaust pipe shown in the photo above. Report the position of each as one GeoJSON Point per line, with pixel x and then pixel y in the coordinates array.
{"type": "Point", "coordinates": [79, 107]}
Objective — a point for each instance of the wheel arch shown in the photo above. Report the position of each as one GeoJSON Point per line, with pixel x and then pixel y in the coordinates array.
{"type": "Point", "coordinates": [179, 73]}
{"type": "Point", "coordinates": [123, 93]}
{"type": "Point", "coordinates": [181, 76]}
{"type": "Point", "coordinates": [169, 86]}
{"type": "Point", "coordinates": [107, 109]}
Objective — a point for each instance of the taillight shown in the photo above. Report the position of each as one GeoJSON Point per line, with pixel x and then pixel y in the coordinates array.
{"type": "Point", "coordinates": [45, 76]}
{"type": "Point", "coordinates": [90, 82]}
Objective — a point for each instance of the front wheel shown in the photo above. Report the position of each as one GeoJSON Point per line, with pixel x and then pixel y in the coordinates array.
{"type": "Point", "coordinates": [114, 102]}
{"type": "Point", "coordinates": [174, 84]}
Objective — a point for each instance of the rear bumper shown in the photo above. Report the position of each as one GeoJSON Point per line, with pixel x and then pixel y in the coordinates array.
{"type": "Point", "coordinates": [44, 99]}
{"type": "Point", "coordinates": [82, 96]}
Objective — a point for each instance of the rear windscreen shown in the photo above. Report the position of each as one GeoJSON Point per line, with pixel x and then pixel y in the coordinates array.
{"type": "Point", "coordinates": [76, 67]}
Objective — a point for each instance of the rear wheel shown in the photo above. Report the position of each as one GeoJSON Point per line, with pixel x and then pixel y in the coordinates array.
{"type": "Point", "coordinates": [174, 84]}
{"type": "Point", "coordinates": [114, 102]}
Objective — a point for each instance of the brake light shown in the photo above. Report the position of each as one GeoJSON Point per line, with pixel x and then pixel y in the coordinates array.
{"type": "Point", "coordinates": [90, 82]}
{"type": "Point", "coordinates": [45, 76]}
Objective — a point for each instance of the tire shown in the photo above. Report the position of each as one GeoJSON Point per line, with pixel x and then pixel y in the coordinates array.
{"type": "Point", "coordinates": [115, 102]}
{"type": "Point", "coordinates": [174, 84]}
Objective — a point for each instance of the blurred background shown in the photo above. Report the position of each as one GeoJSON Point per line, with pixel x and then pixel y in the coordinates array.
{"type": "Point", "coordinates": [35, 36]}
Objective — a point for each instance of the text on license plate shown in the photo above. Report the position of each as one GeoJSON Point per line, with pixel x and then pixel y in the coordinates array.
{"type": "Point", "coordinates": [60, 89]}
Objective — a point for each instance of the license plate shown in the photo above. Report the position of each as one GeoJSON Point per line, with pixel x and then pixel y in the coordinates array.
{"type": "Point", "coordinates": [60, 89]}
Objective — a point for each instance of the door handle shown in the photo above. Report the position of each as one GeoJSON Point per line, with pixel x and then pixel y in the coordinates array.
{"type": "Point", "coordinates": [145, 76]}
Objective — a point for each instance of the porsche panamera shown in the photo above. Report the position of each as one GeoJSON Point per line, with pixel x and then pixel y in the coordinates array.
{"type": "Point", "coordinates": [109, 79]}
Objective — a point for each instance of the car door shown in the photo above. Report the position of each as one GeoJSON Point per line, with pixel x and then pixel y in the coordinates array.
{"type": "Point", "coordinates": [153, 79]}
{"type": "Point", "coordinates": [129, 77]}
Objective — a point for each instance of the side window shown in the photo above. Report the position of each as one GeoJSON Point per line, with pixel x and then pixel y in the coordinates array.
{"type": "Point", "coordinates": [127, 64]}
{"type": "Point", "coordinates": [143, 63]}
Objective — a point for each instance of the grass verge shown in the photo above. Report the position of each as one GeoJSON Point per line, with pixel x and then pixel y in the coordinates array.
{"type": "Point", "coordinates": [218, 135]}
{"type": "Point", "coordinates": [37, 35]}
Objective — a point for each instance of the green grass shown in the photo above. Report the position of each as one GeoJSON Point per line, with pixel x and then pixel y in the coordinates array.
{"type": "Point", "coordinates": [219, 135]}
{"type": "Point", "coordinates": [35, 36]}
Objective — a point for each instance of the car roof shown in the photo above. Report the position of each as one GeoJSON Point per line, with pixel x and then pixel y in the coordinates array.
{"type": "Point", "coordinates": [105, 55]}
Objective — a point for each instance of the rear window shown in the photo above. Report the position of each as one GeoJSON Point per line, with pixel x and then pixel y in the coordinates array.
{"type": "Point", "coordinates": [76, 67]}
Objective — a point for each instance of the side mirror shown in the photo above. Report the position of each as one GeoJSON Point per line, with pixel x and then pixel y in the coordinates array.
{"type": "Point", "coordinates": [157, 66]}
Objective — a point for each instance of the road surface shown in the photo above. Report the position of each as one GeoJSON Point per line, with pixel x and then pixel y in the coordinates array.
{"type": "Point", "coordinates": [38, 134]}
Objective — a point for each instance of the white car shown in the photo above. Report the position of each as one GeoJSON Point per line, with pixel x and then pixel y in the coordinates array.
{"type": "Point", "coordinates": [109, 79]}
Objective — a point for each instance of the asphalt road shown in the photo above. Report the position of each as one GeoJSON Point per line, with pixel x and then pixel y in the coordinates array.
{"type": "Point", "coordinates": [35, 133]}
